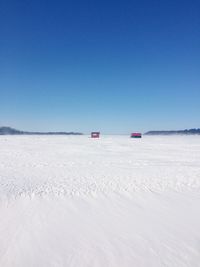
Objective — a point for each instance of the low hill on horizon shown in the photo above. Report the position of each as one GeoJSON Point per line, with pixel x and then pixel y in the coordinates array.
{"type": "Point", "coordinates": [11, 131]}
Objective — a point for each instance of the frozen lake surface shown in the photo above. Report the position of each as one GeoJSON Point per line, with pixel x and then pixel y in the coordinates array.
{"type": "Point", "coordinates": [114, 201]}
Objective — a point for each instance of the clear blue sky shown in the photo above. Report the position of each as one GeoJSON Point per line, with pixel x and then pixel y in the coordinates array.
{"type": "Point", "coordinates": [113, 66]}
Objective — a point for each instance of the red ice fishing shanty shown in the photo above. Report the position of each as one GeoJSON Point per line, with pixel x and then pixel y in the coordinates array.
{"type": "Point", "coordinates": [95, 134]}
{"type": "Point", "coordinates": [136, 135]}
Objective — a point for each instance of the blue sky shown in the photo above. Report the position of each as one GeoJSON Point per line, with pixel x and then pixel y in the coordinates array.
{"type": "Point", "coordinates": [113, 66]}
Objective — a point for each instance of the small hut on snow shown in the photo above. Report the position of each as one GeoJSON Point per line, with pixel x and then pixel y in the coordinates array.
{"type": "Point", "coordinates": [95, 134]}
{"type": "Point", "coordinates": [136, 135]}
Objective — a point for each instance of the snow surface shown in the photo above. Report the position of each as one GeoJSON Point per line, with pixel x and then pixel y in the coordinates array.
{"type": "Point", "coordinates": [114, 201]}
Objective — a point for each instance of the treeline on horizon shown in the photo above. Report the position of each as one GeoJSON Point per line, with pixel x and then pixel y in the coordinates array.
{"type": "Point", "coordinates": [11, 131]}
{"type": "Point", "coordinates": [186, 132]}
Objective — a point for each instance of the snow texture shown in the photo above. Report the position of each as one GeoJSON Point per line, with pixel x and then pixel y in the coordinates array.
{"type": "Point", "coordinates": [114, 201]}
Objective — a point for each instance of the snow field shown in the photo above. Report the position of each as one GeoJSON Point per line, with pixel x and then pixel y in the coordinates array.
{"type": "Point", "coordinates": [115, 201]}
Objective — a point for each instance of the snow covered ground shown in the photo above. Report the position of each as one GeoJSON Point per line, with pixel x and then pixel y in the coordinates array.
{"type": "Point", "coordinates": [109, 202]}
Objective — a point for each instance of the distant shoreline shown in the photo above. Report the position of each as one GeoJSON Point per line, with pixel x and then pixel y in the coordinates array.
{"type": "Point", "coordinates": [179, 132]}
{"type": "Point", "coordinates": [12, 131]}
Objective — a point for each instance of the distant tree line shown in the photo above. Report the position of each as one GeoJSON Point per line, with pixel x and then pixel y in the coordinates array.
{"type": "Point", "coordinates": [186, 132]}
{"type": "Point", "coordinates": [12, 131]}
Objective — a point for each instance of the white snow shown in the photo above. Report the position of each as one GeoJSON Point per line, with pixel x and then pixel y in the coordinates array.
{"type": "Point", "coordinates": [113, 201]}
